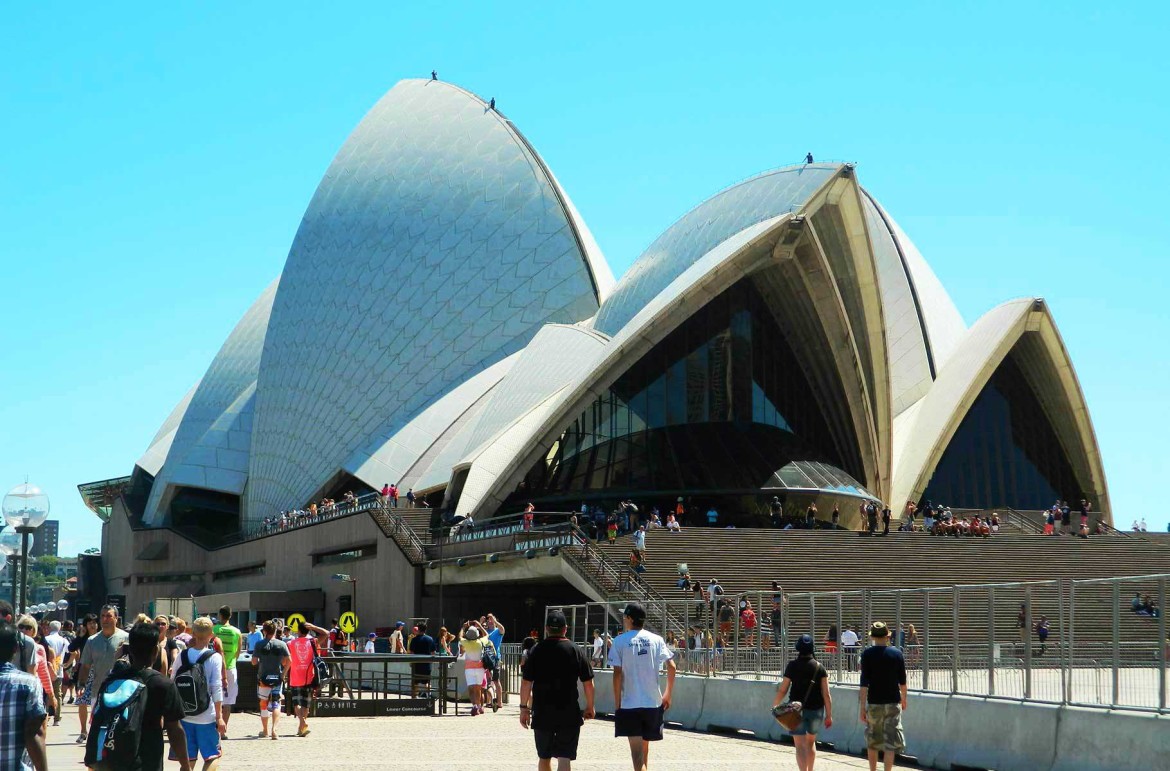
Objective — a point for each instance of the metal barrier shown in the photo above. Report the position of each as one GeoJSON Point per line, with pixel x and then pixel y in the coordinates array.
{"type": "Point", "coordinates": [373, 684]}
{"type": "Point", "coordinates": [1082, 642]}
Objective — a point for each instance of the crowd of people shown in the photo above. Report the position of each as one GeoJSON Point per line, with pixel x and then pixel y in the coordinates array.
{"type": "Point", "coordinates": [184, 678]}
{"type": "Point", "coordinates": [315, 512]}
{"type": "Point", "coordinates": [1145, 606]}
{"type": "Point", "coordinates": [1058, 520]}
{"type": "Point", "coordinates": [803, 704]}
{"type": "Point", "coordinates": [974, 526]}
{"type": "Point", "coordinates": [328, 508]}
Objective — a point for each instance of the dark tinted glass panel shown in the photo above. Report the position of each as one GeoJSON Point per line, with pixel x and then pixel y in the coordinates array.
{"type": "Point", "coordinates": [1005, 452]}
{"type": "Point", "coordinates": [205, 515]}
{"type": "Point", "coordinates": [721, 404]}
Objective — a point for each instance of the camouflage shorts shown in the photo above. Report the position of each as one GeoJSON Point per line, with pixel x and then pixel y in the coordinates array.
{"type": "Point", "coordinates": [884, 729]}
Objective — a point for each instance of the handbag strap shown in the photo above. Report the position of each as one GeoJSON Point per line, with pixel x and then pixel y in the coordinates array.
{"type": "Point", "coordinates": [811, 683]}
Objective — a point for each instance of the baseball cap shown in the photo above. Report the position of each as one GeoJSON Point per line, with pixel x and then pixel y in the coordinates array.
{"type": "Point", "coordinates": [399, 623]}
{"type": "Point", "coordinates": [372, 635]}
{"type": "Point", "coordinates": [879, 629]}
{"type": "Point", "coordinates": [805, 644]}
{"type": "Point", "coordinates": [635, 611]}
{"type": "Point", "coordinates": [556, 620]}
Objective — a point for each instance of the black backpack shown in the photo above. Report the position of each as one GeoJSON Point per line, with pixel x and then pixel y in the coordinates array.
{"type": "Point", "coordinates": [191, 682]}
{"type": "Point", "coordinates": [491, 661]}
{"type": "Point", "coordinates": [116, 732]}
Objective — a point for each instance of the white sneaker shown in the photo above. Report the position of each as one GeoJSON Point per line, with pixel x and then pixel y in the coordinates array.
{"type": "Point", "coordinates": [81, 738]}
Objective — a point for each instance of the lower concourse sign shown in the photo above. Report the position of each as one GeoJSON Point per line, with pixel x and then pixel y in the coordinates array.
{"type": "Point", "coordinates": [372, 707]}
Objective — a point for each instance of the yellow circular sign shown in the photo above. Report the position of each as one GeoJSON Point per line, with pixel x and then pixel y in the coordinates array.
{"type": "Point", "coordinates": [294, 622]}
{"type": "Point", "coordinates": [348, 622]}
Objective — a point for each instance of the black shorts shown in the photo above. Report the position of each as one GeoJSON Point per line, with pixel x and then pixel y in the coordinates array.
{"type": "Point", "coordinates": [300, 697]}
{"type": "Point", "coordinates": [645, 722]}
{"type": "Point", "coordinates": [557, 742]}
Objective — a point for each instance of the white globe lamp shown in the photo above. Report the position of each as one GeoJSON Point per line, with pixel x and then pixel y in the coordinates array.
{"type": "Point", "coordinates": [26, 507]}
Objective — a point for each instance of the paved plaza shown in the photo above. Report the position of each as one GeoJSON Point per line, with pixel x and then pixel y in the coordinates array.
{"type": "Point", "coordinates": [433, 743]}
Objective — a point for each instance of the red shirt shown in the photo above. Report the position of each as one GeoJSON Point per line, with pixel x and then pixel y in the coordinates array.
{"type": "Point", "coordinates": [301, 651]}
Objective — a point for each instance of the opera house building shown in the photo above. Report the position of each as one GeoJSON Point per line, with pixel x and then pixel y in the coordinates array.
{"type": "Point", "coordinates": [446, 322]}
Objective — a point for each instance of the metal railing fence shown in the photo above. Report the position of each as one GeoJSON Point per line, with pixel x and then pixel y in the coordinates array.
{"type": "Point", "coordinates": [1096, 642]}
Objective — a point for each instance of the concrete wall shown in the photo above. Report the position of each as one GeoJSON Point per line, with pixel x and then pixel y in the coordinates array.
{"type": "Point", "coordinates": [387, 589]}
{"type": "Point", "coordinates": [941, 731]}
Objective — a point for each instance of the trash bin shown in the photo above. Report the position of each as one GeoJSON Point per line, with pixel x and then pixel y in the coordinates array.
{"type": "Point", "coordinates": [247, 701]}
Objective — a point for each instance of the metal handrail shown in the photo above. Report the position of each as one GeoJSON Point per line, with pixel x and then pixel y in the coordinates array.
{"type": "Point", "coordinates": [491, 528]}
{"type": "Point", "coordinates": [401, 532]}
{"type": "Point", "coordinates": [625, 577]}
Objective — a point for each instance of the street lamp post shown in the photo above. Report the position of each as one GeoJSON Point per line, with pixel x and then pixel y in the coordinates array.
{"type": "Point", "coordinates": [353, 591]}
{"type": "Point", "coordinates": [26, 507]}
{"type": "Point", "coordinates": [10, 550]}
{"type": "Point", "coordinates": [61, 606]}
{"type": "Point", "coordinates": [9, 564]}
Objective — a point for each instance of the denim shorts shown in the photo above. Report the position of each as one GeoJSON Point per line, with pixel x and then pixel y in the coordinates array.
{"type": "Point", "coordinates": [811, 722]}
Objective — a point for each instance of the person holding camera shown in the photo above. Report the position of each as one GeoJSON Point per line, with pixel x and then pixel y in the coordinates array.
{"type": "Point", "coordinates": [472, 640]}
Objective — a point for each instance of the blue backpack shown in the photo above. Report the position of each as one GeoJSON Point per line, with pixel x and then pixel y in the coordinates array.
{"type": "Point", "coordinates": [116, 732]}
{"type": "Point", "coordinates": [491, 661]}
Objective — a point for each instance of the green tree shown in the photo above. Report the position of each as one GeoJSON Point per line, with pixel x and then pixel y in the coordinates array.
{"type": "Point", "coordinates": [46, 566]}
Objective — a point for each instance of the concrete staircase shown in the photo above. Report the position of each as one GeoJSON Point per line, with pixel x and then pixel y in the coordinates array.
{"type": "Point", "coordinates": [822, 561]}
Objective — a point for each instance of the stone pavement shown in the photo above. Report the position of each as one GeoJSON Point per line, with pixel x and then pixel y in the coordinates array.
{"type": "Point", "coordinates": [490, 741]}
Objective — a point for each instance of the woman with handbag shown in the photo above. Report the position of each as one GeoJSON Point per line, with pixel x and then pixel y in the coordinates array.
{"type": "Point", "coordinates": [806, 676]}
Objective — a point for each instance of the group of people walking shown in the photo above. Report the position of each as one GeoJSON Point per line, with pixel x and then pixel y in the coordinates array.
{"type": "Point", "coordinates": [550, 706]}
{"type": "Point", "coordinates": [133, 685]}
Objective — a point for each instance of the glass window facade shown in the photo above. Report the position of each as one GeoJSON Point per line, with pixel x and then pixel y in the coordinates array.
{"type": "Point", "coordinates": [721, 405]}
{"type": "Point", "coordinates": [1005, 452]}
{"type": "Point", "coordinates": [207, 516]}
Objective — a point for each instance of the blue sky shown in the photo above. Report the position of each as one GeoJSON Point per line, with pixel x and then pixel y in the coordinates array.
{"type": "Point", "coordinates": [156, 163]}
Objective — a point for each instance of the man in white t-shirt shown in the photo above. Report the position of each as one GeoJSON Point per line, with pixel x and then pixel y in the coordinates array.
{"type": "Point", "coordinates": [205, 729]}
{"type": "Point", "coordinates": [639, 703]}
{"type": "Point", "coordinates": [849, 641]}
{"type": "Point", "coordinates": [396, 643]}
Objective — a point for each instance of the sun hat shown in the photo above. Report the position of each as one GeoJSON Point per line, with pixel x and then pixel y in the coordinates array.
{"type": "Point", "coordinates": [879, 630]}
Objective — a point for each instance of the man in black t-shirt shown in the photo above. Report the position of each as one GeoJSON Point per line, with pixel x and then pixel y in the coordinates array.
{"type": "Point", "coordinates": [422, 644]}
{"type": "Point", "coordinates": [548, 694]}
{"type": "Point", "coordinates": [883, 697]}
{"type": "Point", "coordinates": [163, 707]}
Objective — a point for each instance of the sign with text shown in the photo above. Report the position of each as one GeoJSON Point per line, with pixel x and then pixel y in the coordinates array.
{"type": "Point", "coordinates": [396, 707]}
{"type": "Point", "coordinates": [373, 707]}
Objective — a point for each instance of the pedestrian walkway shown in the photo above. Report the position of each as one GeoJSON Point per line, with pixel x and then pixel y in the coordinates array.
{"type": "Point", "coordinates": [443, 743]}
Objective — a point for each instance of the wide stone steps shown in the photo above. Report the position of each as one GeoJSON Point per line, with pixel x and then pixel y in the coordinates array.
{"type": "Point", "coordinates": [821, 561]}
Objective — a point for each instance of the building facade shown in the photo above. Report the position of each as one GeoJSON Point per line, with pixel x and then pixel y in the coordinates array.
{"type": "Point", "coordinates": [45, 541]}
{"type": "Point", "coordinates": [446, 322]}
